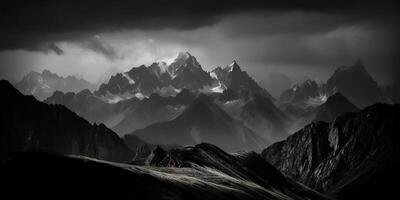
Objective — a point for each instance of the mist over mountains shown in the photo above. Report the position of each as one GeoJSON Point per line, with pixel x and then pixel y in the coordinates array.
{"type": "Point", "coordinates": [204, 134]}
{"type": "Point", "coordinates": [199, 100]}
{"type": "Point", "coordinates": [43, 85]}
{"type": "Point", "coordinates": [159, 95]}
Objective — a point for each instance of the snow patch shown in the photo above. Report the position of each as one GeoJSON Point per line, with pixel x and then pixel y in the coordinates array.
{"type": "Point", "coordinates": [139, 95]}
{"type": "Point", "coordinates": [214, 75]}
{"type": "Point", "coordinates": [167, 91]}
{"type": "Point", "coordinates": [316, 101]}
{"type": "Point", "coordinates": [115, 98]}
{"type": "Point", "coordinates": [131, 81]}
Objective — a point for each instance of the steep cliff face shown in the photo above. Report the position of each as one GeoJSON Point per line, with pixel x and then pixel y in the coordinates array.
{"type": "Point", "coordinates": [28, 124]}
{"type": "Point", "coordinates": [352, 152]}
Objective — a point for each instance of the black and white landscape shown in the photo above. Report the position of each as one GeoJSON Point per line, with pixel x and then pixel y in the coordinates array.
{"type": "Point", "coordinates": [199, 100]}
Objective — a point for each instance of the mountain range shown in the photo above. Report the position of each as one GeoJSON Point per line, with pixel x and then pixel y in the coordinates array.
{"type": "Point", "coordinates": [177, 131]}
{"type": "Point", "coordinates": [137, 101]}
{"type": "Point", "coordinates": [353, 82]}
{"type": "Point", "coordinates": [43, 85]}
{"type": "Point", "coordinates": [127, 115]}
{"type": "Point", "coordinates": [184, 72]}
{"type": "Point", "coordinates": [203, 121]}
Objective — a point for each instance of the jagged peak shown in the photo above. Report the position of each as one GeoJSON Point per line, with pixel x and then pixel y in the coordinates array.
{"type": "Point", "coordinates": [184, 59]}
{"type": "Point", "coordinates": [234, 66]}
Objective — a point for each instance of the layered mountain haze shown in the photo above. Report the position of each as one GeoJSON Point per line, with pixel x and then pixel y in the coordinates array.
{"type": "Point", "coordinates": [42, 85]}
{"type": "Point", "coordinates": [164, 116]}
{"type": "Point", "coordinates": [304, 92]}
{"type": "Point", "coordinates": [127, 115]}
{"type": "Point", "coordinates": [262, 116]}
{"type": "Point", "coordinates": [356, 84]}
{"type": "Point", "coordinates": [199, 100]}
{"type": "Point", "coordinates": [203, 121]}
{"type": "Point", "coordinates": [336, 105]}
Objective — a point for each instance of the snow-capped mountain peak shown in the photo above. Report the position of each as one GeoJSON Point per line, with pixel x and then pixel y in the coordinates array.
{"type": "Point", "coordinates": [184, 59]}
{"type": "Point", "coordinates": [234, 67]}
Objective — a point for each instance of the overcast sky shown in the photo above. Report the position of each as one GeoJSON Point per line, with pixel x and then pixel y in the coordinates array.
{"type": "Point", "coordinates": [275, 41]}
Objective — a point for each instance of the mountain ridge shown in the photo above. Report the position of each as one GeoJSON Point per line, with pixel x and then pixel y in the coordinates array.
{"type": "Point", "coordinates": [28, 124]}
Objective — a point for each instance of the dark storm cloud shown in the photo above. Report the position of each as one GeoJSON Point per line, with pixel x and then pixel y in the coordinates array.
{"type": "Point", "coordinates": [28, 24]}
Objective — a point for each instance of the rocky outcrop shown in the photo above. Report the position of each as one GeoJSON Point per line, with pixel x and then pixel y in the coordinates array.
{"type": "Point", "coordinates": [355, 152]}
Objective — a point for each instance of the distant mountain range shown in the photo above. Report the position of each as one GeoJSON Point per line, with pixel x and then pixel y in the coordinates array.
{"type": "Point", "coordinates": [183, 73]}
{"type": "Point", "coordinates": [43, 85]}
{"type": "Point", "coordinates": [148, 101]}
{"type": "Point", "coordinates": [353, 82]}
{"type": "Point", "coordinates": [170, 117]}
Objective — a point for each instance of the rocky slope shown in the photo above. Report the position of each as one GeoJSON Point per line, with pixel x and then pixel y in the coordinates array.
{"type": "Point", "coordinates": [28, 124]}
{"type": "Point", "coordinates": [352, 157]}
{"type": "Point", "coordinates": [93, 179]}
